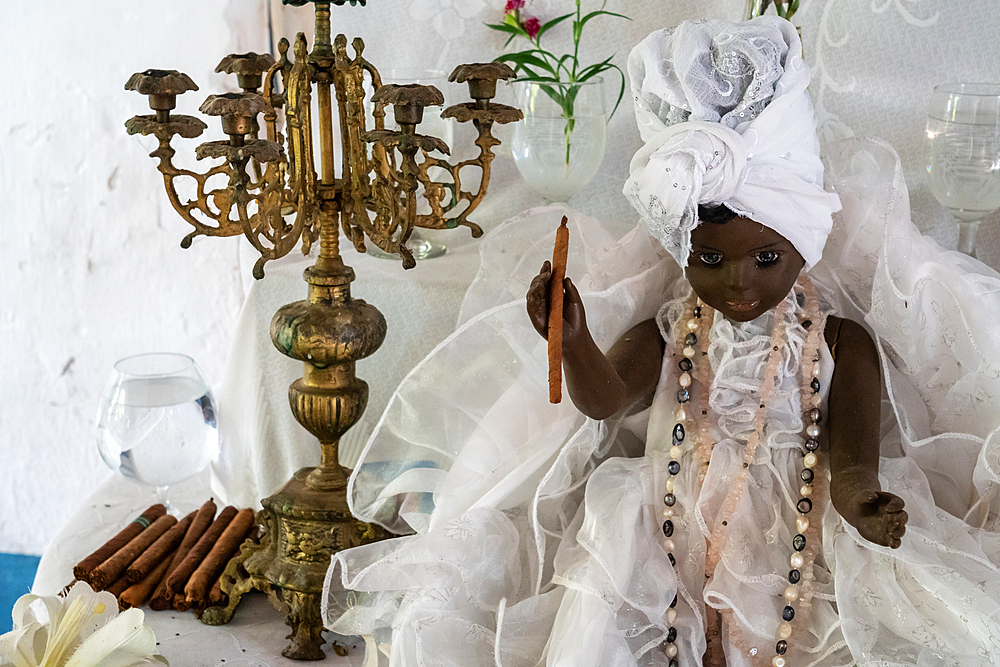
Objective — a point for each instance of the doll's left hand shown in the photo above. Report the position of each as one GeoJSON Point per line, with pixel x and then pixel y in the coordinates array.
{"type": "Point", "coordinates": [878, 515]}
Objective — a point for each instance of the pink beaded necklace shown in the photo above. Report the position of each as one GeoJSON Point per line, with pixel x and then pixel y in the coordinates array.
{"type": "Point", "coordinates": [694, 365]}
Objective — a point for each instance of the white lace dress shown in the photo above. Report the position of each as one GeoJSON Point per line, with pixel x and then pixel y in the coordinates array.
{"type": "Point", "coordinates": [538, 531]}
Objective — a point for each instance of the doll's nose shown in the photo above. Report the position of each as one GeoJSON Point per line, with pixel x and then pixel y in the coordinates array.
{"type": "Point", "coordinates": [737, 276]}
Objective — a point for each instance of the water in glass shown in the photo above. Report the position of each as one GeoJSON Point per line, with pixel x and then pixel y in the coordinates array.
{"type": "Point", "coordinates": [963, 167]}
{"type": "Point", "coordinates": [156, 423]}
{"type": "Point", "coordinates": [539, 150]}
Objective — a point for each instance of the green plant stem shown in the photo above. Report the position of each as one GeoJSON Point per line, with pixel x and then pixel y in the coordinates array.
{"type": "Point", "coordinates": [568, 111]}
{"type": "Point", "coordinates": [577, 34]}
{"type": "Point", "coordinates": [570, 123]}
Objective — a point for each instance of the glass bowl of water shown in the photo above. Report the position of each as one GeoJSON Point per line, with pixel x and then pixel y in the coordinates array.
{"type": "Point", "coordinates": [156, 421]}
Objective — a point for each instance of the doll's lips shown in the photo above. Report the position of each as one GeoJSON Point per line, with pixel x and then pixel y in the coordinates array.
{"type": "Point", "coordinates": [742, 306]}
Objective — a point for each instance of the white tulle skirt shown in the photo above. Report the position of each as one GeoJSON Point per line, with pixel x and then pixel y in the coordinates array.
{"type": "Point", "coordinates": [537, 531]}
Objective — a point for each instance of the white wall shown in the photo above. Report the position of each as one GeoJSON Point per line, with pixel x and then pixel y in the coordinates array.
{"type": "Point", "coordinates": [90, 266]}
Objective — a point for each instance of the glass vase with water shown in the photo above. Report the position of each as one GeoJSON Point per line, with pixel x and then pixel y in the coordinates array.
{"type": "Point", "coordinates": [559, 145]}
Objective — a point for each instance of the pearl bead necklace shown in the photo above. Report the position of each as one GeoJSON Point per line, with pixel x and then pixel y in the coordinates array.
{"type": "Point", "coordinates": [686, 429]}
{"type": "Point", "coordinates": [693, 333]}
{"type": "Point", "coordinates": [800, 586]}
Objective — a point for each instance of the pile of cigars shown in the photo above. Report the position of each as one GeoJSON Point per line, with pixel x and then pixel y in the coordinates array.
{"type": "Point", "coordinates": [166, 563]}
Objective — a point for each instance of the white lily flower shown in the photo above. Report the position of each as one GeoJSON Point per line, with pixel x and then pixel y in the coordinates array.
{"type": "Point", "coordinates": [82, 630]}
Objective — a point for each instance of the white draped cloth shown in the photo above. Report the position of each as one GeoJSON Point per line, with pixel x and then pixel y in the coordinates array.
{"type": "Point", "coordinates": [523, 554]}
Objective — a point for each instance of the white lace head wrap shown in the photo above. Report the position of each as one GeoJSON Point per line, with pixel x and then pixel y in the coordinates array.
{"type": "Point", "coordinates": [726, 118]}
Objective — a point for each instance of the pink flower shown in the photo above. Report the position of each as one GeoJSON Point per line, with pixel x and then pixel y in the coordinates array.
{"type": "Point", "coordinates": [513, 6]}
{"type": "Point", "coordinates": [531, 26]}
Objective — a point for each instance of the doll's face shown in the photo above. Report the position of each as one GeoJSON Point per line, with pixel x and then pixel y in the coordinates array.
{"type": "Point", "coordinates": [741, 267]}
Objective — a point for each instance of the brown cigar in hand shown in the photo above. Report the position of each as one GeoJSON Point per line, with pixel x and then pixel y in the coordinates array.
{"type": "Point", "coordinates": [560, 255]}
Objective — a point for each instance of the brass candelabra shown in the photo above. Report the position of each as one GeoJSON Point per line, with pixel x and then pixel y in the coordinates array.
{"type": "Point", "coordinates": [276, 198]}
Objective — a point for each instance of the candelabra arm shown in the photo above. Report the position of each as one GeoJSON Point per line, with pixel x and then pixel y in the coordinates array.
{"type": "Point", "coordinates": [483, 115]}
{"type": "Point", "coordinates": [378, 110]}
{"type": "Point", "coordinates": [368, 182]}
{"type": "Point", "coordinates": [219, 197]}
{"type": "Point", "coordinates": [410, 171]}
{"type": "Point", "coordinates": [268, 223]}
{"type": "Point", "coordinates": [274, 100]}
{"type": "Point", "coordinates": [352, 186]}
{"type": "Point", "coordinates": [486, 142]}
{"type": "Point", "coordinates": [436, 193]}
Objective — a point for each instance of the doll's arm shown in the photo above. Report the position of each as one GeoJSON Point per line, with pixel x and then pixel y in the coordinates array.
{"type": "Point", "coordinates": [599, 385]}
{"type": "Point", "coordinates": [853, 427]}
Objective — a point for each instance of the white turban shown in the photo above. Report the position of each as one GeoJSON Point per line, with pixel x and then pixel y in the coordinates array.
{"type": "Point", "coordinates": [726, 118]}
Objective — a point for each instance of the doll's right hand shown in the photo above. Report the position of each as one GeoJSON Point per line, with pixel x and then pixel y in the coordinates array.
{"type": "Point", "coordinates": [574, 317]}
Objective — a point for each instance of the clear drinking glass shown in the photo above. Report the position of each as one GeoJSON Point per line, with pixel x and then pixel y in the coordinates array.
{"type": "Point", "coordinates": [962, 153]}
{"type": "Point", "coordinates": [420, 245]}
{"type": "Point", "coordinates": [156, 420]}
{"type": "Point", "coordinates": [558, 147]}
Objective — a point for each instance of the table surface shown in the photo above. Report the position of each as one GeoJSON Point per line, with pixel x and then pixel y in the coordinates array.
{"type": "Point", "coordinates": [255, 636]}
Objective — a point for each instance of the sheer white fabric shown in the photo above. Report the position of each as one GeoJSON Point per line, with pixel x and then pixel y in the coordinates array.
{"type": "Point", "coordinates": [524, 554]}
{"type": "Point", "coordinates": [934, 313]}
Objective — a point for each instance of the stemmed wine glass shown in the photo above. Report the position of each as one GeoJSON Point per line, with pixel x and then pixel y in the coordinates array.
{"type": "Point", "coordinates": [156, 421]}
{"type": "Point", "coordinates": [962, 153]}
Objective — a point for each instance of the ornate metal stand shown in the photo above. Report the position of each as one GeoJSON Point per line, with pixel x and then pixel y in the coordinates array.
{"type": "Point", "coordinates": [275, 198]}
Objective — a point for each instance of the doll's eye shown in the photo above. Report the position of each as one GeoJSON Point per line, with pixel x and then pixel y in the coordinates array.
{"type": "Point", "coordinates": [710, 258]}
{"type": "Point", "coordinates": [766, 257]}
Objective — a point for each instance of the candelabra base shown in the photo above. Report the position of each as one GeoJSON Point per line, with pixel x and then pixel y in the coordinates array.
{"type": "Point", "coordinates": [303, 528]}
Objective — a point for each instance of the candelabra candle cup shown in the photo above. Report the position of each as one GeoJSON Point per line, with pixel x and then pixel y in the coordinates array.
{"type": "Point", "coordinates": [962, 153]}
{"type": "Point", "coordinates": [156, 421]}
{"type": "Point", "coordinates": [431, 124]}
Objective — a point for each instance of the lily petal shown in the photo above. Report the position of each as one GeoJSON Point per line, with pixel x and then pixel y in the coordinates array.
{"type": "Point", "coordinates": [20, 610]}
{"type": "Point", "coordinates": [25, 611]}
{"type": "Point", "coordinates": [123, 642]}
{"type": "Point", "coordinates": [17, 646]}
{"type": "Point", "coordinates": [63, 634]}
